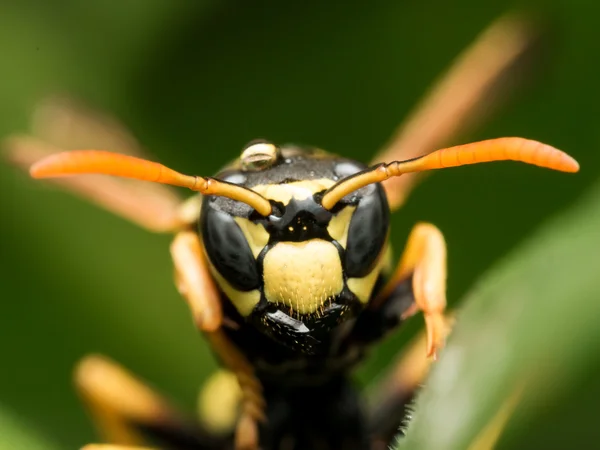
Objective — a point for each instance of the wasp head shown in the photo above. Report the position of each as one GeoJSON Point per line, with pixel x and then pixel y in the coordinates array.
{"type": "Point", "coordinates": [301, 273]}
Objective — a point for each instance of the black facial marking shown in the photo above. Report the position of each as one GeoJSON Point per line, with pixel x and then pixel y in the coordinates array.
{"type": "Point", "coordinates": [228, 249]}
{"type": "Point", "coordinates": [367, 232]}
{"type": "Point", "coordinates": [297, 164]}
{"type": "Point", "coordinates": [310, 334]}
{"type": "Point", "coordinates": [299, 220]}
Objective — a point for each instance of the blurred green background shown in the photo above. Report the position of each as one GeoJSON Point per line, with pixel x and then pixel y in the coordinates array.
{"type": "Point", "coordinates": [196, 80]}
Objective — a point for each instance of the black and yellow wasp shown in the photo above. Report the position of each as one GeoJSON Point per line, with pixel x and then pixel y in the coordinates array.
{"type": "Point", "coordinates": [285, 263]}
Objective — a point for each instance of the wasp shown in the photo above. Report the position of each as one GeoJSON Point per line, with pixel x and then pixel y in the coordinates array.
{"type": "Point", "coordinates": [285, 262]}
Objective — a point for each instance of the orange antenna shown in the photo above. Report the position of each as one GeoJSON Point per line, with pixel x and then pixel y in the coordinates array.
{"type": "Point", "coordinates": [502, 149]}
{"type": "Point", "coordinates": [107, 163]}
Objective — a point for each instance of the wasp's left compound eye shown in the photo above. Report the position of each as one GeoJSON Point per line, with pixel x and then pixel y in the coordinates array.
{"type": "Point", "coordinates": [228, 249]}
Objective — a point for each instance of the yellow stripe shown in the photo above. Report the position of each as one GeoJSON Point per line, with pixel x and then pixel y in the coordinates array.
{"type": "Point", "coordinates": [339, 225]}
{"type": "Point", "coordinates": [244, 302]}
{"type": "Point", "coordinates": [299, 190]}
{"type": "Point", "coordinates": [255, 234]}
{"type": "Point", "coordinates": [489, 436]}
{"type": "Point", "coordinates": [363, 287]}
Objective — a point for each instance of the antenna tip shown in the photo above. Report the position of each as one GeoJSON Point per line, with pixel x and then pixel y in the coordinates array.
{"type": "Point", "coordinates": [41, 169]}
{"type": "Point", "coordinates": [36, 171]}
{"type": "Point", "coordinates": [570, 164]}
{"type": "Point", "coordinates": [54, 165]}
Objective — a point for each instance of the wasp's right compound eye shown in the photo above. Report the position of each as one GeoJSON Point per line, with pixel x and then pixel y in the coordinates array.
{"type": "Point", "coordinates": [367, 233]}
{"type": "Point", "coordinates": [228, 249]}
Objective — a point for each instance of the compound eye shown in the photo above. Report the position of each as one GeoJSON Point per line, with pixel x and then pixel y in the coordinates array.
{"type": "Point", "coordinates": [228, 249]}
{"type": "Point", "coordinates": [367, 233]}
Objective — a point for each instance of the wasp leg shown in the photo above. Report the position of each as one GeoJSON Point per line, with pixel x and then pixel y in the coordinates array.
{"type": "Point", "coordinates": [113, 447]}
{"type": "Point", "coordinates": [424, 263]}
{"type": "Point", "coordinates": [196, 285]}
{"type": "Point", "coordinates": [151, 206]}
{"type": "Point", "coordinates": [69, 124]}
{"type": "Point", "coordinates": [127, 412]}
{"type": "Point", "coordinates": [252, 405]}
{"type": "Point", "coordinates": [58, 124]}
{"type": "Point", "coordinates": [458, 100]}
{"type": "Point", "coordinates": [194, 281]}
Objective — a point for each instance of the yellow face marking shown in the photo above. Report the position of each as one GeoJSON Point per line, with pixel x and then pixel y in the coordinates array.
{"type": "Point", "coordinates": [338, 226]}
{"type": "Point", "coordinates": [255, 234]}
{"type": "Point", "coordinates": [244, 302]}
{"type": "Point", "coordinates": [298, 189]}
{"type": "Point", "coordinates": [363, 287]}
{"type": "Point", "coordinates": [302, 275]}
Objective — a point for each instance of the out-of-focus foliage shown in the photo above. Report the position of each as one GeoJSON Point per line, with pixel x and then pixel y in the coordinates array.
{"type": "Point", "coordinates": [527, 330]}
{"type": "Point", "coordinates": [195, 81]}
{"type": "Point", "coordinates": [14, 435]}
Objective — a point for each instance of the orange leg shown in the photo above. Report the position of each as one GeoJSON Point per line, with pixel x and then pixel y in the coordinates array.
{"type": "Point", "coordinates": [113, 447]}
{"type": "Point", "coordinates": [252, 402]}
{"type": "Point", "coordinates": [196, 285]}
{"type": "Point", "coordinates": [129, 413]}
{"type": "Point", "coordinates": [425, 259]}
{"type": "Point", "coordinates": [194, 281]}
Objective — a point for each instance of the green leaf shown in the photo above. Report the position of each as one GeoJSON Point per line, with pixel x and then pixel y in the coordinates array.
{"type": "Point", "coordinates": [529, 326]}
{"type": "Point", "coordinates": [15, 435]}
